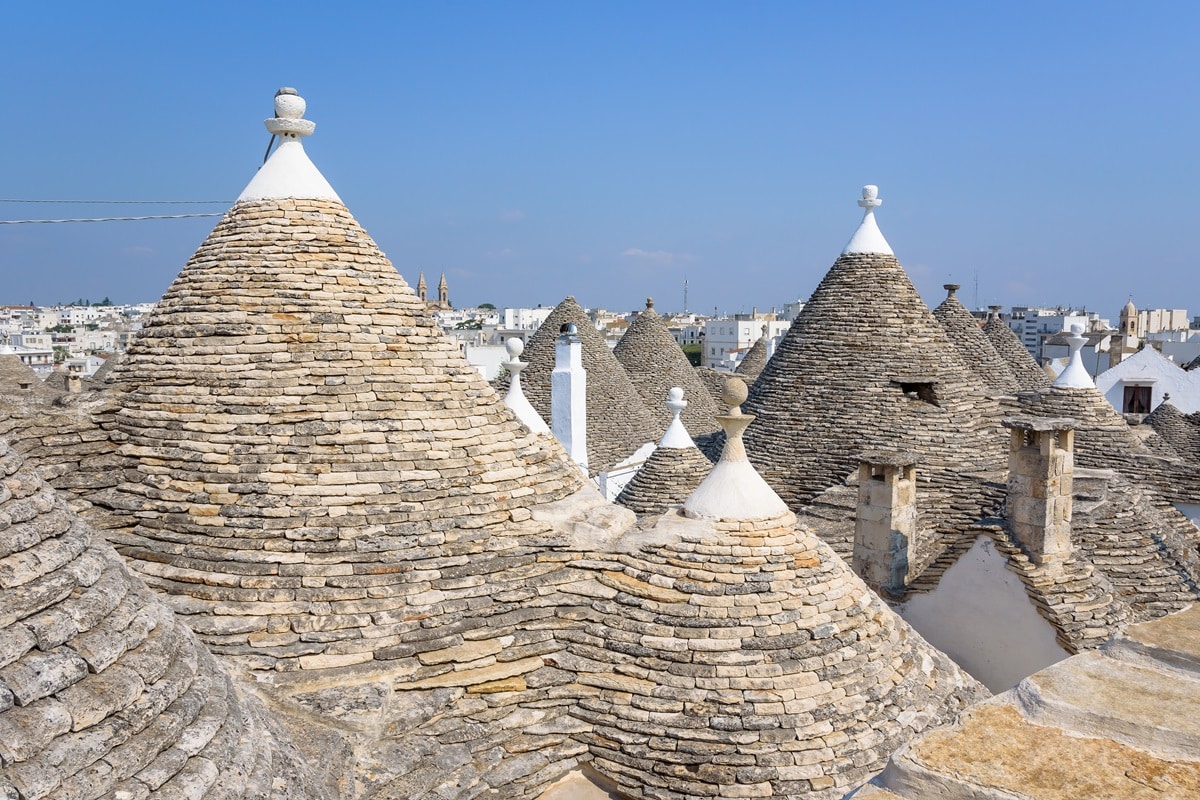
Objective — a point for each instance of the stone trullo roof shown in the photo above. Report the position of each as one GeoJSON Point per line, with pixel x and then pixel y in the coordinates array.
{"type": "Point", "coordinates": [1024, 369]}
{"type": "Point", "coordinates": [674, 469]}
{"type": "Point", "coordinates": [866, 366]}
{"type": "Point", "coordinates": [713, 381]}
{"type": "Point", "coordinates": [737, 656]}
{"type": "Point", "coordinates": [655, 363]}
{"type": "Point", "coordinates": [973, 344]}
{"type": "Point", "coordinates": [751, 365]}
{"type": "Point", "coordinates": [618, 421]}
{"type": "Point", "coordinates": [302, 437]}
{"type": "Point", "coordinates": [18, 381]}
{"type": "Point", "coordinates": [103, 691]}
{"type": "Point", "coordinates": [1180, 431]}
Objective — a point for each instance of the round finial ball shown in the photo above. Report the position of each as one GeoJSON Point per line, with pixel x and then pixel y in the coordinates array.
{"type": "Point", "coordinates": [870, 192]}
{"type": "Point", "coordinates": [514, 346]}
{"type": "Point", "coordinates": [1077, 329]}
{"type": "Point", "coordinates": [735, 392]}
{"type": "Point", "coordinates": [675, 395]}
{"type": "Point", "coordinates": [649, 302]}
{"type": "Point", "coordinates": [288, 104]}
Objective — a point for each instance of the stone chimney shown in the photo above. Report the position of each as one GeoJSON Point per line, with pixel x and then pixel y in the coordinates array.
{"type": "Point", "coordinates": [1040, 475]}
{"type": "Point", "coordinates": [568, 396]}
{"type": "Point", "coordinates": [74, 384]}
{"type": "Point", "coordinates": [885, 527]}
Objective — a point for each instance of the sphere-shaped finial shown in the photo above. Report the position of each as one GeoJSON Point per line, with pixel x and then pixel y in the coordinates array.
{"type": "Point", "coordinates": [289, 112]}
{"type": "Point", "coordinates": [649, 303]}
{"type": "Point", "coordinates": [675, 395]}
{"type": "Point", "coordinates": [1076, 329]}
{"type": "Point", "coordinates": [870, 197]}
{"type": "Point", "coordinates": [289, 104]}
{"type": "Point", "coordinates": [515, 347]}
{"type": "Point", "coordinates": [734, 394]}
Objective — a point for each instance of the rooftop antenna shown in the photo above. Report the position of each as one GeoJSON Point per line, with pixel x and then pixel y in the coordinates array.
{"type": "Point", "coordinates": [685, 293]}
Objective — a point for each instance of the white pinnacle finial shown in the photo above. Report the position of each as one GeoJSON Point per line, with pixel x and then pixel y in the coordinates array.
{"type": "Point", "coordinates": [870, 197]}
{"type": "Point", "coordinates": [289, 113]}
{"type": "Point", "coordinates": [1075, 375]}
{"type": "Point", "coordinates": [515, 399]}
{"type": "Point", "coordinates": [734, 490]}
{"type": "Point", "coordinates": [676, 437]}
{"type": "Point", "coordinates": [289, 173]}
{"type": "Point", "coordinates": [868, 238]}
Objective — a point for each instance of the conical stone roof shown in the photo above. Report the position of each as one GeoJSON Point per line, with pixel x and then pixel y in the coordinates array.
{"type": "Point", "coordinates": [745, 659]}
{"type": "Point", "coordinates": [1024, 369]}
{"type": "Point", "coordinates": [755, 360]}
{"type": "Point", "coordinates": [18, 381]}
{"type": "Point", "coordinates": [674, 469]}
{"type": "Point", "coordinates": [304, 436]}
{"type": "Point", "coordinates": [655, 363]}
{"type": "Point", "coordinates": [1180, 431]}
{"type": "Point", "coordinates": [618, 421]}
{"type": "Point", "coordinates": [973, 344]}
{"type": "Point", "coordinates": [103, 691]}
{"type": "Point", "coordinates": [866, 366]}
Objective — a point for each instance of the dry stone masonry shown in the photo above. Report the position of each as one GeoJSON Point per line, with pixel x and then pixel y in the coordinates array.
{"type": "Point", "coordinates": [655, 363]}
{"type": "Point", "coordinates": [973, 344]}
{"type": "Point", "coordinates": [1024, 369]}
{"type": "Point", "coordinates": [103, 692]}
{"type": "Point", "coordinates": [618, 421]}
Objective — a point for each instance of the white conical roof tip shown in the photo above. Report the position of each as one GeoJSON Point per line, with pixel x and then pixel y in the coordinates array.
{"type": "Point", "coordinates": [676, 436]}
{"type": "Point", "coordinates": [288, 173]}
{"type": "Point", "coordinates": [1075, 374]}
{"type": "Point", "coordinates": [868, 238]}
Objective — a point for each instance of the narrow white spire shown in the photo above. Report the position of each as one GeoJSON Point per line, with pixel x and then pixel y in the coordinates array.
{"type": "Point", "coordinates": [676, 437]}
{"type": "Point", "coordinates": [289, 173]}
{"type": "Point", "coordinates": [734, 490]}
{"type": "Point", "coordinates": [568, 396]}
{"type": "Point", "coordinates": [1075, 375]}
{"type": "Point", "coordinates": [515, 399]}
{"type": "Point", "coordinates": [868, 238]}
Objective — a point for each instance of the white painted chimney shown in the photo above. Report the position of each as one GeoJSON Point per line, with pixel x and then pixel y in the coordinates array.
{"type": "Point", "coordinates": [568, 396]}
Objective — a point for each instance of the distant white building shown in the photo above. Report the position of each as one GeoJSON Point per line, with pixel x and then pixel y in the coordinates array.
{"type": "Point", "coordinates": [727, 339]}
{"type": "Point", "coordinates": [1158, 320]}
{"type": "Point", "coordinates": [523, 319]}
{"type": "Point", "coordinates": [1033, 325]}
{"type": "Point", "coordinates": [1138, 384]}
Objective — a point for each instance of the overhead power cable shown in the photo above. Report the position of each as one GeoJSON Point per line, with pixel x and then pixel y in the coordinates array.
{"type": "Point", "coordinates": [105, 219]}
{"type": "Point", "coordinates": [122, 202]}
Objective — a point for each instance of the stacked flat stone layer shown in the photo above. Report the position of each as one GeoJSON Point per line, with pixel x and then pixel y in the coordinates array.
{"type": "Point", "coordinates": [312, 454]}
{"type": "Point", "coordinates": [618, 421]}
{"type": "Point", "coordinates": [665, 480]}
{"type": "Point", "coordinates": [714, 381]}
{"type": "Point", "coordinates": [745, 659]}
{"type": "Point", "coordinates": [103, 692]}
{"type": "Point", "coordinates": [1121, 723]}
{"type": "Point", "coordinates": [974, 346]}
{"type": "Point", "coordinates": [1024, 369]}
{"type": "Point", "coordinates": [1180, 431]}
{"type": "Point", "coordinates": [865, 366]}
{"type": "Point", "coordinates": [19, 382]}
{"type": "Point", "coordinates": [655, 363]}
{"type": "Point", "coordinates": [754, 361]}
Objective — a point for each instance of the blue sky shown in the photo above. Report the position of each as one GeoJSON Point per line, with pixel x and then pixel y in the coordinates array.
{"type": "Point", "coordinates": [606, 150]}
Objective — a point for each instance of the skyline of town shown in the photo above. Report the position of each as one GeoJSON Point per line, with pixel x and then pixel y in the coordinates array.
{"type": "Point", "coordinates": [540, 152]}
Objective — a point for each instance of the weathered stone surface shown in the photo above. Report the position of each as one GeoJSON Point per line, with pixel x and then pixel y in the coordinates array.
{"type": "Point", "coordinates": [655, 364]}
{"type": "Point", "coordinates": [977, 351]}
{"type": "Point", "coordinates": [156, 710]}
{"type": "Point", "coordinates": [618, 421]}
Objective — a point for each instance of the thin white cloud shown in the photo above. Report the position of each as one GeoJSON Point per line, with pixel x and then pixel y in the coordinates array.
{"type": "Point", "coordinates": [661, 257]}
